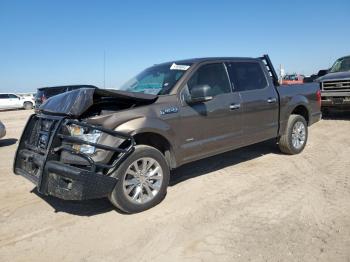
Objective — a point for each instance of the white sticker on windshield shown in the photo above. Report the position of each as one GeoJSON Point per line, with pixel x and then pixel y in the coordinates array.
{"type": "Point", "coordinates": [179, 67]}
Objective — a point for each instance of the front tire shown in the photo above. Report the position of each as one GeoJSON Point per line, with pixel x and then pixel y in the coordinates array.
{"type": "Point", "coordinates": [294, 139]}
{"type": "Point", "coordinates": [143, 179]}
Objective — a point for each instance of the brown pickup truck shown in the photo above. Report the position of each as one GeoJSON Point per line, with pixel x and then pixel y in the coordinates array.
{"type": "Point", "coordinates": [121, 144]}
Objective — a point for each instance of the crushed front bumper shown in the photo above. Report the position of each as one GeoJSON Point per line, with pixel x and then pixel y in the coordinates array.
{"type": "Point", "coordinates": [69, 182]}
{"type": "Point", "coordinates": [42, 165]}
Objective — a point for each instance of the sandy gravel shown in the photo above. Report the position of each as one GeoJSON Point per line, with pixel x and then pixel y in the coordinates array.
{"type": "Point", "coordinates": [252, 204]}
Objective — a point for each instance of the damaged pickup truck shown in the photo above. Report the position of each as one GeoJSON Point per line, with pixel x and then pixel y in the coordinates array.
{"type": "Point", "coordinates": [121, 144]}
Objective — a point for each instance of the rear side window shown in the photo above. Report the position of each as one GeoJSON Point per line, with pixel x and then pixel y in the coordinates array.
{"type": "Point", "coordinates": [39, 94]}
{"type": "Point", "coordinates": [246, 76]}
{"type": "Point", "coordinates": [54, 91]}
{"type": "Point", "coordinates": [4, 96]}
{"type": "Point", "coordinates": [51, 91]}
{"type": "Point", "coordinates": [213, 75]}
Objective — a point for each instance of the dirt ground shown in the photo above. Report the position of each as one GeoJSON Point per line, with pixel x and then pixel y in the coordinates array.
{"type": "Point", "coordinates": [252, 204]}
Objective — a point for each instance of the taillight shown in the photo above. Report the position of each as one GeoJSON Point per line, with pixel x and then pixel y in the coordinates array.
{"type": "Point", "coordinates": [318, 97]}
{"type": "Point", "coordinates": [43, 98]}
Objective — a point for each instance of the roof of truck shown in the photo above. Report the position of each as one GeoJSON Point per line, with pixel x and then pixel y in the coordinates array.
{"type": "Point", "coordinates": [207, 59]}
{"type": "Point", "coordinates": [347, 56]}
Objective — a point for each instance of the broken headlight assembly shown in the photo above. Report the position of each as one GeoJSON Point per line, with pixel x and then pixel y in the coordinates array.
{"type": "Point", "coordinates": [84, 134]}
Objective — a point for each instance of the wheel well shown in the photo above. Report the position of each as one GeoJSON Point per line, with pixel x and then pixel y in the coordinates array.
{"type": "Point", "coordinates": [302, 111]}
{"type": "Point", "coordinates": [159, 142]}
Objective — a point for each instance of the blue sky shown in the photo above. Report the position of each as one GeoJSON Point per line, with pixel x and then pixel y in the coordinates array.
{"type": "Point", "coordinates": [45, 43]}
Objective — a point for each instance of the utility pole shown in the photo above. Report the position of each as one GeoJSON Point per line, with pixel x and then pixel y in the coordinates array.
{"type": "Point", "coordinates": [104, 69]}
{"type": "Point", "coordinates": [282, 73]}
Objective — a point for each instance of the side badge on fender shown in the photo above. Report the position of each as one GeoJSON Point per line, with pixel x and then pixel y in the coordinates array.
{"type": "Point", "coordinates": [169, 110]}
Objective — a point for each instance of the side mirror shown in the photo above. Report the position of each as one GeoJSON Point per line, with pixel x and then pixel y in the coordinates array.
{"type": "Point", "coordinates": [200, 94]}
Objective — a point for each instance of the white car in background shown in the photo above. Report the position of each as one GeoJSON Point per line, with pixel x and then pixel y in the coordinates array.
{"type": "Point", "coordinates": [12, 101]}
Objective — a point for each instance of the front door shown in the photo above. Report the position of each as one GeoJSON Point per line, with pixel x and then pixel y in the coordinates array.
{"type": "Point", "coordinates": [213, 126]}
{"type": "Point", "coordinates": [4, 101]}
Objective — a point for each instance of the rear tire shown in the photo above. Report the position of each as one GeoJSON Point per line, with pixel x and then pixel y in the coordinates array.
{"type": "Point", "coordinates": [141, 186]}
{"type": "Point", "coordinates": [294, 140]}
{"type": "Point", "coordinates": [28, 105]}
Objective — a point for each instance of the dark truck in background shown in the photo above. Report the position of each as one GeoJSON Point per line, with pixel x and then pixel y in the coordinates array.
{"type": "Point", "coordinates": [121, 144]}
{"type": "Point", "coordinates": [335, 86]}
{"type": "Point", "coordinates": [45, 93]}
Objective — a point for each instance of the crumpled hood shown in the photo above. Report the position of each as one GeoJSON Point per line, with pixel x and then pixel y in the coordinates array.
{"type": "Point", "coordinates": [334, 76]}
{"type": "Point", "coordinates": [76, 102]}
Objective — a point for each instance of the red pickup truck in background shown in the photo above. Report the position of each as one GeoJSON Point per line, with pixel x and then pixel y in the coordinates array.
{"type": "Point", "coordinates": [293, 79]}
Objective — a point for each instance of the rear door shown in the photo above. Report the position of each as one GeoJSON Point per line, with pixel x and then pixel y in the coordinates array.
{"type": "Point", "coordinates": [215, 125]}
{"type": "Point", "coordinates": [259, 100]}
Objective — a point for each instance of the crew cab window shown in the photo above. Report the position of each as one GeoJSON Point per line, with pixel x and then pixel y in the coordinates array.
{"type": "Point", "coordinates": [4, 96]}
{"type": "Point", "coordinates": [213, 75]}
{"type": "Point", "coordinates": [246, 76]}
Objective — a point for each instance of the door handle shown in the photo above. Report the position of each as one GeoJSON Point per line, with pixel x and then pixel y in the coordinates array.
{"type": "Point", "coordinates": [271, 100]}
{"type": "Point", "coordinates": [235, 106]}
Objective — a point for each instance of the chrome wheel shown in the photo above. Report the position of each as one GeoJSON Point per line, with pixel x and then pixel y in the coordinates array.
{"type": "Point", "coordinates": [298, 135]}
{"type": "Point", "coordinates": [143, 180]}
